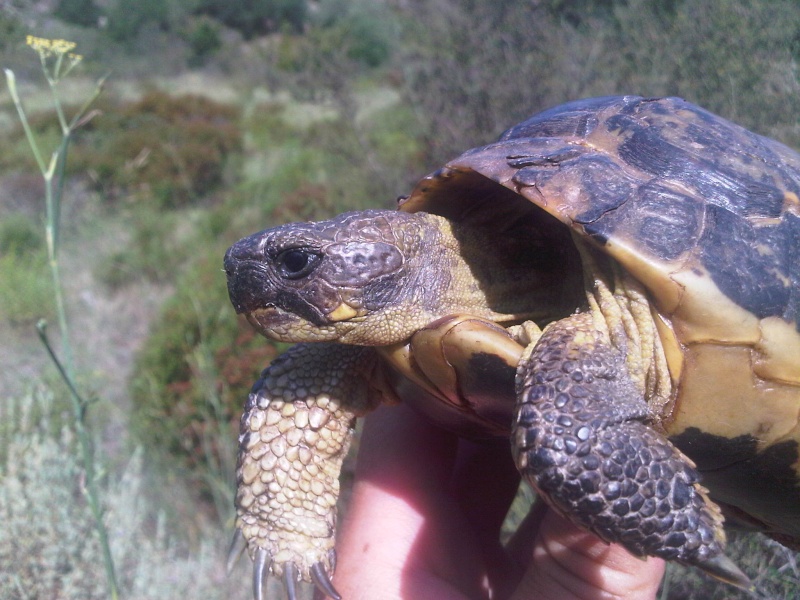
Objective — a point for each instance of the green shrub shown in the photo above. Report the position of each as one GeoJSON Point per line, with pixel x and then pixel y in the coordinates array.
{"type": "Point", "coordinates": [203, 36]}
{"type": "Point", "coordinates": [735, 58]}
{"type": "Point", "coordinates": [127, 18]}
{"type": "Point", "coordinates": [739, 59]}
{"type": "Point", "coordinates": [365, 30]}
{"type": "Point", "coordinates": [345, 40]}
{"type": "Point", "coordinates": [78, 12]}
{"type": "Point", "coordinates": [12, 32]}
{"type": "Point", "coordinates": [26, 290]}
{"type": "Point", "coordinates": [266, 127]}
{"type": "Point", "coordinates": [394, 136]}
{"type": "Point", "coordinates": [48, 541]}
{"type": "Point", "coordinates": [362, 167]}
{"type": "Point", "coordinates": [578, 12]}
{"type": "Point", "coordinates": [165, 151]}
{"type": "Point", "coordinates": [256, 17]}
{"type": "Point", "coordinates": [193, 375]}
{"type": "Point", "coordinates": [156, 250]}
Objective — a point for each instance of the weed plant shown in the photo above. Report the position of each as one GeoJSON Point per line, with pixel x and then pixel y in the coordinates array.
{"type": "Point", "coordinates": [57, 60]}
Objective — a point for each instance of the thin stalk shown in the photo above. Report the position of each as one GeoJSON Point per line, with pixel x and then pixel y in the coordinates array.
{"type": "Point", "coordinates": [11, 80]}
{"type": "Point", "coordinates": [79, 406]}
{"type": "Point", "coordinates": [52, 207]}
{"type": "Point", "coordinates": [53, 195]}
{"type": "Point", "coordinates": [51, 237]}
{"type": "Point", "coordinates": [54, 177]}
{"type": "Point", "coordinates": [62, 120]}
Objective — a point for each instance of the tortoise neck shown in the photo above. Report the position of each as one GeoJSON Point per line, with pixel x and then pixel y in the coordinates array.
{"type": "Point", "coordinates": [504, 276]}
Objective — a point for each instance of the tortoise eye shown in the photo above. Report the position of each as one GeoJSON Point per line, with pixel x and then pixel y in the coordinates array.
{"type": "Point", "coordinates": [297, 262]}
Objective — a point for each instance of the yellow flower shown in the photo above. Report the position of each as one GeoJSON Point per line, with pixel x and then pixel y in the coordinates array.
{"type": "Point", "coordinates": [46, 47]}
{"type": "Point", "coordinates": [63, 46]}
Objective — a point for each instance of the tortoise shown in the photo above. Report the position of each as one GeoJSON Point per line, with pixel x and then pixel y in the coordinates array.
{"type": "Point", "coordinates": [613, 286]}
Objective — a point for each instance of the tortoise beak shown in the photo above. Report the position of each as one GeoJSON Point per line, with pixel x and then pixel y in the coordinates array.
{"type": "Point", "coordinates": [248, 275]}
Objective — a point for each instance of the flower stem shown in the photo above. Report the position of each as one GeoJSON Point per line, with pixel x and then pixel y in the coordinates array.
{"type": "Point", "coordinates": [54, 176]}
{"type": "Point", "coordinates": [79, 406]}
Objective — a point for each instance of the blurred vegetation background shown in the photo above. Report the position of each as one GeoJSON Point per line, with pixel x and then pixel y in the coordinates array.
{"type": "Point", "coordinates": [226, 116]}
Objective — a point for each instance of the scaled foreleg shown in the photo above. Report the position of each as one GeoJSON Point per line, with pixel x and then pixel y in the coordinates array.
{"type": "Point", "coordinates": [582, 438]}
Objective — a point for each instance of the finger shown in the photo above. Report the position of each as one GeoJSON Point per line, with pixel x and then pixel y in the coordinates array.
{"type": "Point", "coordinates": [569, 563]}
{"type": "Point", "coordinates": [523, 540]}
{"type": "Point", "coordinates": [485, 482]}
{"type": "Point", "coordinates": [404, 536]}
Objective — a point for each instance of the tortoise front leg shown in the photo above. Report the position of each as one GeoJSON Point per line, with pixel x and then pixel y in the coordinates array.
{"type": "Point", "coordinates": [582, 440]}
{"type": "Point", "coordinates": [294, 434]}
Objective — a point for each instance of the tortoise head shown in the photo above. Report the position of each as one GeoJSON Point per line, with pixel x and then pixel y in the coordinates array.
{"type": "Point", "coordinates": [357, 278]}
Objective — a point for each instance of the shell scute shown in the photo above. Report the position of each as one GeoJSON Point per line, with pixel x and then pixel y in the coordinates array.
{"type": "Point", "coordinates": [752, 470]}
{"type": "Point", "coordinates": [607, 187]}
{"type": "Point", "coordinates": [546, 158]}
{"type": "Point", "coordinates": [666, 222]}
{"type": "Point", "coordinates": [703, 212]}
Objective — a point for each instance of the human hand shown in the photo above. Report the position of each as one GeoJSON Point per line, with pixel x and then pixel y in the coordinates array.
{"type": "Point", "coordinates": [424, 519]}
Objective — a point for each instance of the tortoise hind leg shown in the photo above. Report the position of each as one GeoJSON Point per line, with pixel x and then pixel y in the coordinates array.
{"type": "Point", "coordinates": [581, 440]}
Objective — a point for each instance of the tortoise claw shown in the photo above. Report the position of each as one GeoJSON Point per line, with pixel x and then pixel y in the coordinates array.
{"type": "Point", "coordinates": [260, 571]}
{"type": "Point", "coordinates": [261, 564]}
{"type": "Point", "coordinates": [238, 546]}
{"type": "Point", "coordinates": [724, 569]}
{"type": "Point", "coordinates": [323, 582]}
{"type": "Point", "coordinates": [289, 577]}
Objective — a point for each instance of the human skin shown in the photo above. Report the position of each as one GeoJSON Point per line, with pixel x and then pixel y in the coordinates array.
{"type": "Point", "coordinates": [424, 518]}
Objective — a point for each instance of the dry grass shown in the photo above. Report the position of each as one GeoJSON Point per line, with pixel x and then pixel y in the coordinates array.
{"type": "Point", "coordinates": [48, 545]}
{"type": "Point", "coordinates": [772, 568]}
